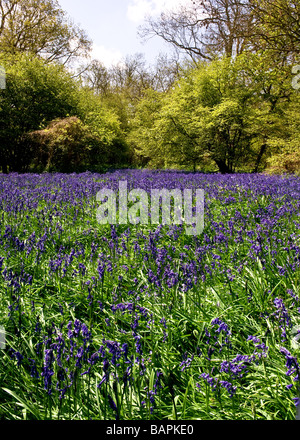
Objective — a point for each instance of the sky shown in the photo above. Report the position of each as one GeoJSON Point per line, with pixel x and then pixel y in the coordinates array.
{"type": "Point", "coordinates": [112, 25]}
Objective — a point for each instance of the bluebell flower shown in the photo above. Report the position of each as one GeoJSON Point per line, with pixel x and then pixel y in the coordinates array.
{"type": "Point", "coordinates": [125, 350]}
{"type": "Point", "coordinates": [86, 372]}
{"type": "Point", "coordinates": [47, 374]}
{"type": "Point", "coordinates": [186, 363]}
{"type": "Point", "coordinates": [93, 359]}
{"type": "Point", "coordinates": [112, 404]}
{"type": "Point", "coordinates": [212, 382]}
{"type": "Point", "coordinates": [282, 316]}
{"type": "Point", "coordinates": [291, 362]}
{"type": "Point", "coordinates": [33, 370]}
{"type": "Point", "coordinates": [297, 401]}
{"type": "Point", "coordinates": [231, 389]}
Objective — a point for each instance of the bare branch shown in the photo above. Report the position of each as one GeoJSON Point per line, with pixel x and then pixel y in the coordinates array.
{"type": "Point", "coordinates": [205, 28]}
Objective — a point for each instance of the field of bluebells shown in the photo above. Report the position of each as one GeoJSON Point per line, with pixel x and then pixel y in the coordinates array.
{"type": "Point", "coordinates": [145, 322]}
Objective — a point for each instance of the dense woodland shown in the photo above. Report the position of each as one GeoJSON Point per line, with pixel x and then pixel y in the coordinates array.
{"type": "Point", "coordinates": [225, 98]}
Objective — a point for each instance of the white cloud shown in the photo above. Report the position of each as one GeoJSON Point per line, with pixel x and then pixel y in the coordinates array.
{"type": "Point", "coordinates": [105, 55]}
{"type": "Point", "coordinates": [138, 9]}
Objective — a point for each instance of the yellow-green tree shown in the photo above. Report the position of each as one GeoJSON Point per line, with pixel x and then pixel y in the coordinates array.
{"type": "Point", "coordinates": [222, 112]}
{"type": "Point", "coordinates": [42, 28]}
{"type": "Point", "coordinates": [285, 145]}
{"type": "Point", "coordinates": [277, 26]}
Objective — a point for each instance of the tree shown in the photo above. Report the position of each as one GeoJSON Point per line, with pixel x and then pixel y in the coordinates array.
{"type": "Point", "coordinates": [165, 72]}
{"type": "Point", "coordinates": [205, 28]}
{"type": "Point", "coordinates": [49, 121]}
{"type": "Point", "coordinates": [106, 128]}
{"type": "Point", "coordinates": [131, 77]}
{"type": "Point", "coordinates": [207, 115]}
{"type": "Point", "coordinates": [141, 137]}
{"type": "Point", "coordinates": [285, 143]}
{"type": "Point", "coordinates": [42, 28]}
{"type": "Point", "coordinates": [222, 112]}
{"type": "Point", "coordinates": [62, 146]}
{"type": "Point", "coordinates": [270, 82]}
{"type": "Point", "coordinates": [6, 8]}
{"type": "Point", "coordinates": [70, 145]}
{"type": "Point", "coordinates": [35, 94]}
{"type": "Point", "coordinates": [277, 26]}
{"type": "Point", "coordinates": [123, 84]}
{"type": "Point", "coordinates": [97, 78]}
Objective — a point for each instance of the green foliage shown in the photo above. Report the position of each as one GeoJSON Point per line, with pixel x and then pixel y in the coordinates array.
{"type": "Point", "coordinates": [42, 28]}
{"type": "Point", "coordinates": [285, 146]}
{"type": "Point", "coordinates": [61, 146]}
{"type": "Point", "coordinates": [277, 25]}
{"type": "Point", "coordinates": [106, 134]}
{"type": "Point", "coordinates": [141, 136]}
{"type": "Point", "coordinates": [228, 114]}
{"type": "Point", "coordinates": [35, 94]}
{"type": "Point", "coordinates": [221, 113]}
{"type": "Point", "coordinates": [200, 120]}
{"type": "Point", "coordinates": [38, 93]}
{"type": "Point", "coordinates": [69, 145]}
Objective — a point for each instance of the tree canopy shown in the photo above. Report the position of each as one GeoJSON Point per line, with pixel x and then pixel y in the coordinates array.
{"type": "Point", "coordinates": [42, 28]}
{"type": "Point", "coordinates": [38, 93]}
{"type": "Point", "coordinates": [225, 100]}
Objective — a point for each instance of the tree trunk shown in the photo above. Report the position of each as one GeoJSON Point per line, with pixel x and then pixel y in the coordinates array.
{"type": "Point", "coordinates": [259, 157]}
{"type": "Point", "coordinates": [223, 167]}
{"type": "Point", "coordinates": [4, 166]}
